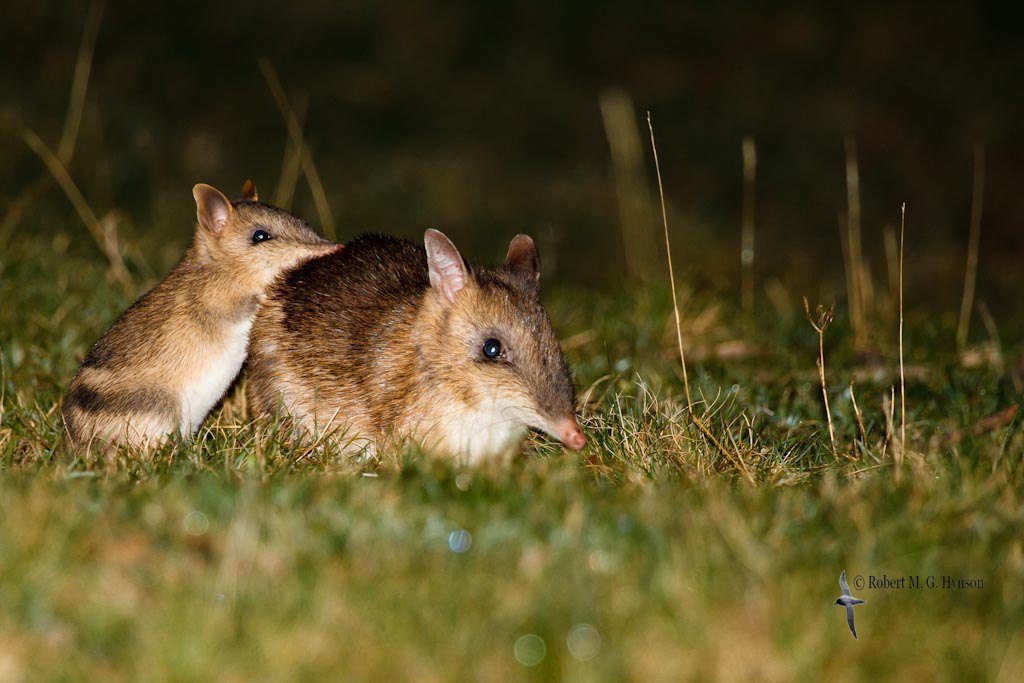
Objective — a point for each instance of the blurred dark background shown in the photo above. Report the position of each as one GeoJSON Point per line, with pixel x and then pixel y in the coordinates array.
{"type": "Point", "coordinates": [484, 119]}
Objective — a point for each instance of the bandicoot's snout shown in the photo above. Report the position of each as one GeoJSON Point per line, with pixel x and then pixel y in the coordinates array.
{"type": "Point", "coordinates": [569, 433]}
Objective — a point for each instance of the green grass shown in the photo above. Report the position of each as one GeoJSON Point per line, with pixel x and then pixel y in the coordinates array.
{"type": "Point", "coordinates": [244, 557]}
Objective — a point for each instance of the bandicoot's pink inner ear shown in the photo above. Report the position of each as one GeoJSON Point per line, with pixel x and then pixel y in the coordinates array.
{"type": "Point", "coordinates": [213, 210]}
{"type": "Point", "coordinates": [447, 270]}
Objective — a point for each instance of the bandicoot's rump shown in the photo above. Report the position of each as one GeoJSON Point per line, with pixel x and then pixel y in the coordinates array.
{"type": "Point", "coordinates": [390, 341]}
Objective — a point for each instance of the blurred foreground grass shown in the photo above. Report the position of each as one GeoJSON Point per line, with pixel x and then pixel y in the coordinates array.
{"type": "Point", "coordinates": [649, 557]}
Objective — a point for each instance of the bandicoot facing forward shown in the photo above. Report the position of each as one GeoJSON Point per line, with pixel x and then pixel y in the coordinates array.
{"type": "Point", "coordinates": [390, 342]}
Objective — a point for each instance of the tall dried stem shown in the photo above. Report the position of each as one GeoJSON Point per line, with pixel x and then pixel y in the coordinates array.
{"type": "Point", "coordinates": [103, 235]}
{"type": "Point", "coordinates": [72, 121]}
{"type": "Point", "coordinates": [858, 276]}
{"type": "Point", "coordinates": [636, 211]}
{"type": "Point", "coordinates": [974, 239]}
{"type": "Point", "coordinates": [316, 187]}
{"type": "Point", "coordinates": [903, 382]}
{"type": "Point", "coordinates": [820, 321]}
{"type": "Point", "coordinates": [747, 242]}
{"type": "Point", "coordinates": [860, 419]}
{"type": "Point", "coordinates": [735, 458]}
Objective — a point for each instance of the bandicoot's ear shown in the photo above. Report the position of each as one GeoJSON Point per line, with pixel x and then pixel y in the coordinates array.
{"type": "Point", "coordinates": [249, 193]}
{"type": "Point", "coordinates": [448, 275]}
{"type": "Point", "coordinates": [523, 258]}
{"type": "Point", "coordinates": [212, 208]}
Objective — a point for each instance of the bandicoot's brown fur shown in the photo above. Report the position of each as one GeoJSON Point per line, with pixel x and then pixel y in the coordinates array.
{"type": "Point", "coordinates": [384, 342]}
{"type": "Point", "coordinates": [170, 357]}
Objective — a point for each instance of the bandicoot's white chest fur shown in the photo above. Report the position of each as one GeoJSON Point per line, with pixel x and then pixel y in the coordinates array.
{"type": "Point", "coordinates": [212, 374]}
{"type": "Point", "coordinates": [488, 431]}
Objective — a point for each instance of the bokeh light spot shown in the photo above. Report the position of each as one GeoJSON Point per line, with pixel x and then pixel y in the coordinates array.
{"type": "Point", "coordinates": [530, 649]}
{"type": "Point", "coordinates": [584, 642]}
{"type": "Point", "coordinates": [196, 523]}
{"type": "Point", "coordinates": [460, 541]}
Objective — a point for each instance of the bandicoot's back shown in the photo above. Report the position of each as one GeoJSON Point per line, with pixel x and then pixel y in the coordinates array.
{"type": "Point", "coordinates": [388, 341]}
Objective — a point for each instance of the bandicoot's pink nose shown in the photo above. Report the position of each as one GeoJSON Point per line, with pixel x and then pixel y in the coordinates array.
{"type": "Point", "coordinates": [569, 433]}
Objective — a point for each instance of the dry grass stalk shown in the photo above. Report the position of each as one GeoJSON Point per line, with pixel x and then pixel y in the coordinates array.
{"type": "Point", "coordinates": [860, 419]}
{"type": "Point", "coordinates": [903, 383]}
{"type": "Point", "coordinates": [974, 239]}
{"type": "Point", "coordinates": [3, 383]}
{"type": "Point", "coordinates": [316, 187]}
{"type": "Point", "coordinates": [995, 421]}
{"type": "Point", "coordinates": [671, 271]}
{"type": "Point", "coordinates": [636, 213]}
{"type": "Point", "coordinates": [736, 459]}
{"type": "Point", "coordinates": [820, 321]}
{"type": "Point", "coordinates": [888, 409]}
{"type": "Point", "coordinates": [72, 120]}
{"type": "Point", "coordinates": [102, 232]}
{"type": "Point", "coordinates": [892, 262]}
{"type": "Point", "coordinates": [993, 332]}
{"type": "Point", "coordinates": [858, 276]}
{"type": "Point", "coordinates": [747, 242]}
{"type": "Point", "coordinates": [80, 83]}
{"type": "Point", "coordinates": [291, 165]}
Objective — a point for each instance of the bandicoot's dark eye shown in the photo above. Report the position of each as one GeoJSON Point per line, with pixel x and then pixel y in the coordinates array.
{"type": "Point", "coordinates": [260, 236]}
{"type": "Point", "coordinates": [492, 348]}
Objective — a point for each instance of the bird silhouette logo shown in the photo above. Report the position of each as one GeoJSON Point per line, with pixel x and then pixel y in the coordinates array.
{"type": "Point", "coordinates": [848, 601]}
